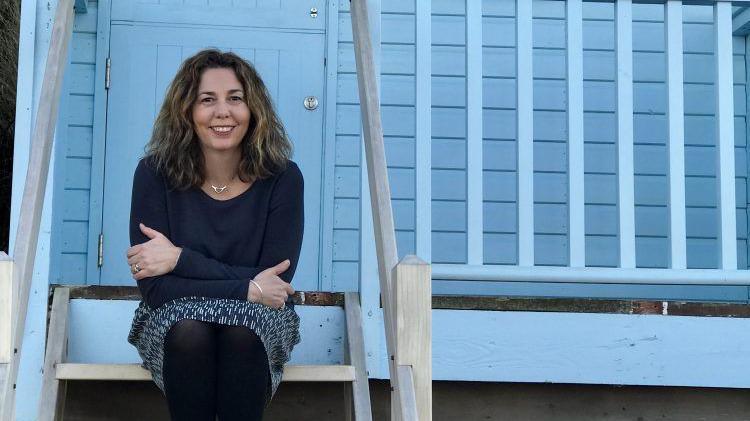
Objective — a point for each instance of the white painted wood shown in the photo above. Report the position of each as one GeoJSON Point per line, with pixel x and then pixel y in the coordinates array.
{"type": "Point", "coordinates": [413, 309]}
{"type": "Point", "coordinates": [525, 132]}
{"type": "Point", "coordinates": [99, 331]}
{"type": "Point", "coordinates": [576, 227]}
{"type": "Point", "coordinates": [625, 177]}
{"type": "Point", "coordinates": [24, 252]}
{"type": "Point", "coordinates": [423, 136]}
{"type": "Point", "coordinates": [135, 372]}
{"type": "Point", "coordinates": [676, 127]}
{"type": "Point", "coordinates": [725, 134]}
{"type": "Point", "coordinates": [620, 349]}
{"type": "Point", "coordinates": [356, 357]}
{"type": "Point", "coordinates": [474, 196]}
{"type": "Point", "coordinates": [53, 390]}
{"type": "Point", "coordinates": [6, 293]}
{"type": "Point", "coordinates": [591, 275]}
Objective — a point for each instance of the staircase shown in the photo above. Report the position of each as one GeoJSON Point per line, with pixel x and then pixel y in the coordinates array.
{"type": "Point", "coordinates": [404, 286]}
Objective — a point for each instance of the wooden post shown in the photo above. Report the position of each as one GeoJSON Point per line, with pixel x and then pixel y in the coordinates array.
{"type": "Point", "coordinates": [52, 399]}
{"type": "Point", "coordinates": [24, 252]}
{"type": "Point", "coordinates": [6, 295]}
{"type": "Point", "coordinates": [359, 389]}
{"type": "Point", "coordinates": [412, 299]}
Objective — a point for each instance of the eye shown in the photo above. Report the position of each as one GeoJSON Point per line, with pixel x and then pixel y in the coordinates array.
{"type": "Point", "coordinates": [236, 98]}
{"type": "Point", "coordinates": [206, 100]}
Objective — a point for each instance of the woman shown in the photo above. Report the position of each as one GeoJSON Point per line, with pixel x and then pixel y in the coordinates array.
{"type": "Point", "coordinates": [216, 228]}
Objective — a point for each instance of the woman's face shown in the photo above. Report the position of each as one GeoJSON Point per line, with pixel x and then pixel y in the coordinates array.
{"type": "Point", "coordinates": [220, 115]}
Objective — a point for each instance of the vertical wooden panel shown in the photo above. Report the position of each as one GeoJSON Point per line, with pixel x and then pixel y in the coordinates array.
{"type": "Point", "coordinates": [676, 127]}
{"type": "Point", "coordinates": [6, 294]}
{"type": "Point", "coordinates": [424, 129]}
{"type": "Point", "coordinates": [624, 54]}
{"type": "Point", "coordinates": [412, 295]}
{"type": "Point", "coordinates": [474, 132]}
{"type": "Point", "coordinates": [576, 230]}
{"type": "Point", "coordinates": [525, 128]}
{"type": "Point", "coordinates": [725, 133]}
{"type": "Point", "coordinates": [329, 148]}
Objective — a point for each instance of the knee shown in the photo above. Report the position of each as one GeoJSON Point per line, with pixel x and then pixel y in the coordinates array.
{"type": "Point", "coordinates": [190, 336]}
{"type": "Point", "coordinates": [240, 340]}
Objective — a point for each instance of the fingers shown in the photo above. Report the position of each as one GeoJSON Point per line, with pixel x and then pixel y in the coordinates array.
{"type": "Point", "coordinates": [132, 251]}
{"type": "Point", "coordinates": [281, 267]}
{"type": "Point", "coordinates": [149, 232]}
{"type": "Point", "coordinates": [289, 289]}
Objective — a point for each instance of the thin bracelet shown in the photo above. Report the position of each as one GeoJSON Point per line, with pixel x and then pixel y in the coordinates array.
{"type": "Point", "coordinates": [252, 281]}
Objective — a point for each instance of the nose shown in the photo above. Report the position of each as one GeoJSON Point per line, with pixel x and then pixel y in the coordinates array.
{"type": "Point", "coordinates": [222, 109]}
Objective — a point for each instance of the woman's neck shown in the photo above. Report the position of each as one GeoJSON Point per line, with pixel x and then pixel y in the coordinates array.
{"type": "Point", "coordinates": [221, 167]}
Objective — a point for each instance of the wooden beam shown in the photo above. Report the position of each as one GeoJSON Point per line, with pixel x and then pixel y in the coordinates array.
{"type": "Point", "coordinates": [408, 396]}
{"type": "Point", "coordinates": [624, 87]}
{"type": "Point", "coordinates": [423, 133]}
{"type": "Point", "coordinates": [35, 186]}
{"type": "Point", "coordinates": [412, 292]}
{"type": "Point", "coordinates": [576, 199]}
{"type": "Point", "coordinates": [676, 139]}
{"type": "Point", "coordinates": [377, 170]}
{"type": "Point", "coordinates": [356, 357]}
{"type": "Point", "coordinates": [6, 306]}
{"type": "Point", "coordinates": [52, 399]}
{"type": "Point", "coordinates": [725, 180]}
{"type": "Point", "coordinates": [474, 136]}
{"type": "Point", "coordinates": [525, 132]}
{"type": "Point", "coordinates": [116, 292]}
{"type": "Point", "coordinates": [134, 372]}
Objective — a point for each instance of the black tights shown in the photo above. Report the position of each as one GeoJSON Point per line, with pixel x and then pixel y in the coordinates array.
{"type": "Point", "coordinates": [211, 369]}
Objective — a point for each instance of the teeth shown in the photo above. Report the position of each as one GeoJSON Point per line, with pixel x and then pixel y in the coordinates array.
{"type": "Point", "coordinates": [222, 129]}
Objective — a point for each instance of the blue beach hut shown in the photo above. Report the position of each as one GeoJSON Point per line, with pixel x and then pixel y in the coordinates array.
{"type": "Point", "coordinates": [574, 173]}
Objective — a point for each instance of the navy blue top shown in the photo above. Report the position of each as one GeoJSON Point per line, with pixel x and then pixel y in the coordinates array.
{"type": "Point", "coordinates": [225, 243]}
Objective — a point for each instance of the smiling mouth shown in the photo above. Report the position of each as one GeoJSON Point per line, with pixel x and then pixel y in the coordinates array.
{"type": "Point", "coordinates": [222, 129]}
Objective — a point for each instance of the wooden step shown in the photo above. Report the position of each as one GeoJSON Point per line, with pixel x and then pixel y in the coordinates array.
{"type": "Point", "coordinates": [135, 372]}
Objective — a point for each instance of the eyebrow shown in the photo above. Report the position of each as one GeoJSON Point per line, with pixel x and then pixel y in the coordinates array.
{"type": "Point", "coordinates": [232, 91]}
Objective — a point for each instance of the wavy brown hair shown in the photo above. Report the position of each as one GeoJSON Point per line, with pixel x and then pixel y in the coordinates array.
{"type": "Point", "coordinates": [174, 146]}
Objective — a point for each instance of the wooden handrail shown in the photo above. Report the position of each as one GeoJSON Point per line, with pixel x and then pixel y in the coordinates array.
{"type": "Point", "coordinates": [32, 202]}
{"type": "Point", "coordinates": [404, 402]}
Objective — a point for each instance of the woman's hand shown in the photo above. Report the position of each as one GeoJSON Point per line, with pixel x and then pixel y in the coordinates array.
{"type": "Point", "coordinates": [155, 257]}
{"type": "Point", "coordinates": [275, 290]}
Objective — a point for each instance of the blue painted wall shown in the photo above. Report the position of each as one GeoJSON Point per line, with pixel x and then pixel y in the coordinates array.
{"type": "Point", "coordinates": [74, 154]}
{"type": "Point", "coordinates": [449, 141]}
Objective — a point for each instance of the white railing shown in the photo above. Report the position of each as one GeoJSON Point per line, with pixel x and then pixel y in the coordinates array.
{"type": "Point", "coordinates": [404, 286]}
{"type": "Point", "coordinates": [32, 201]}
{"type": "Point", "coordinates": [626, 271]}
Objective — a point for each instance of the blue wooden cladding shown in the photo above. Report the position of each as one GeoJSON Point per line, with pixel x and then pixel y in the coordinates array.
{"type": "Point", "coordinates": [432, 122]}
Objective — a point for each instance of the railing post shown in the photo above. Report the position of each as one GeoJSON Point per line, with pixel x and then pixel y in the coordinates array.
{"type": "Point", "coordinates": [412, 299]}
{"type": "Point", "coordinates": [6, 300]}
{"type": "Point", "coordinates": [32, 200]}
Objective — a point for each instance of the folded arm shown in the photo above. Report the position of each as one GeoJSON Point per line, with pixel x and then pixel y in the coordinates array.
{"type": "Point", "coordinates": [282, 239]}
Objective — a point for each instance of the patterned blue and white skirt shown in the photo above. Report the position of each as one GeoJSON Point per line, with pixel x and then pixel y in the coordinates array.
{"type": "Point", "coordinates": [278, 329]}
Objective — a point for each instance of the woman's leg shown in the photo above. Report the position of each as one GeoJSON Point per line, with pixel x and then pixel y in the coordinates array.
{"type": "Point", "coordinates": [190, 371]}
{"type": "Point", "coordinates": [242, 375]}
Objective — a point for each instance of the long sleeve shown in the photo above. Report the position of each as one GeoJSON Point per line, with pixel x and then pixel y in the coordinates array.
{"type": "Point", "coordinates": [148, 205]}
{"type": "Point", "coordinates": [284, 228]}
{"type": "Point", "coordinates": [282, 239]}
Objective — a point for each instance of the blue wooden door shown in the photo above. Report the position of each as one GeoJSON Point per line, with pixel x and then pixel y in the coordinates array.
{"type": "Point", "coordinates": [144, 59]}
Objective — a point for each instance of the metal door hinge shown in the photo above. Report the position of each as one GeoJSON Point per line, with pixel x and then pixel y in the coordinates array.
{"type": "Point", "coordinates": [100, 259]}
{"type": "Point", "coordinates": [107, 79]}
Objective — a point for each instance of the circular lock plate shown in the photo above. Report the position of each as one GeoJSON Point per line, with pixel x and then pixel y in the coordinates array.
{"type": "Point", "coordinates": [311, 103]}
